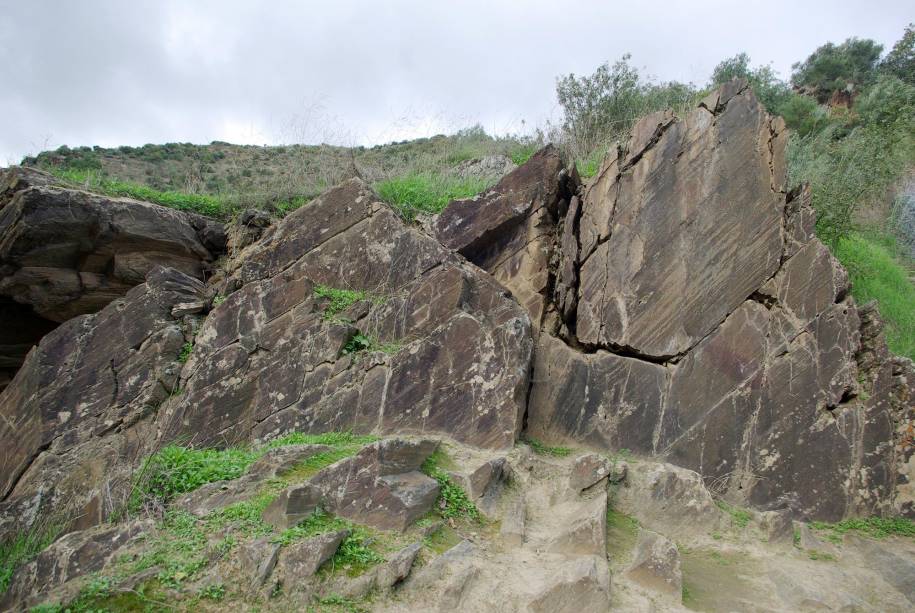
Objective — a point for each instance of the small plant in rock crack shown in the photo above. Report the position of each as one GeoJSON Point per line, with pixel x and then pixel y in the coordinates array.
{"type": "Point", "coordinates": [186, 351]}
{"type": "Point", "coordinates": [543, 449]}
{"type": "Point", "coordinates": [452, 502]}
{"type": "Point", "coordinates": [364, 342]}
{"type": "Point", "coordinates": [342, 299]}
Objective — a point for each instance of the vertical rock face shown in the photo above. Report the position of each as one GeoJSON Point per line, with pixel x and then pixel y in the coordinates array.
{"type": "Point", "coordinates": [689, 313]}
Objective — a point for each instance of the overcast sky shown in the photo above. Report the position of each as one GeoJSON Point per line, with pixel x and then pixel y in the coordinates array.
{"type": "Point", "coordinates": [100, 72]}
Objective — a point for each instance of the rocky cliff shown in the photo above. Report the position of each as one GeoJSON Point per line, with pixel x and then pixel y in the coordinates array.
{"type": "Point", "coordinates": [677, 305]}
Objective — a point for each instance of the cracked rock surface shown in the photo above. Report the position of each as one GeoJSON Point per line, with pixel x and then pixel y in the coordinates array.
{"type": "Point", "coordinates": [688, 312]}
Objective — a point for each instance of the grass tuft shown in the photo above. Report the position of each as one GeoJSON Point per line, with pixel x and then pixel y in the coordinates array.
{"type": "Point", "coordinates": [541, 448]}
{"type": "Point", "coordinates": [427, 192]}
{"type": "Point", "coordinates": [22, 548]}
{"type": "Point", "coordinates": [740, 517]}
{"type": "Point", "coordinates": [876, 527]}
{"type": "Point", "coordinates": [452, 502]}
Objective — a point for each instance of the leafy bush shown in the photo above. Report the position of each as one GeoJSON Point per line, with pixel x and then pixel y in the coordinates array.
{"type": "Point", "coordinates": [833, 67]}
{"type": "Point", "coordinates": [900, 61]}
{"type": "Point", "coordinates": [604, 106]}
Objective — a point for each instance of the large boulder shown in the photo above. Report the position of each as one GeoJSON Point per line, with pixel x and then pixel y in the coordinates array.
{"type": "Point", "coordinates": [423, 342]}
{"type": "Point", "coordinates": [508, 230]}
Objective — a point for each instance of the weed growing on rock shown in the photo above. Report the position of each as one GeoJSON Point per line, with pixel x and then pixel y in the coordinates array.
{"type": "Point", "coordinates": [186, 351]}
{"type": "Point", "coordinates": [337, 603]}
{"type": "Point", "coordinates": [543, 449]}
{"type": "Point", "coordinates": [452, 502]}
{"type": "Point", "coordinates": [175, 470]}
{"type": "Point", "coordinates": [740, 517]}
{"type": "Point", "coordinates": [366, 342]}
{"type": "Point", "coordinates": [215, 592]}
{"type": "Point", "coordinates": [20, 549]}
{"type": "Point", "coordinates": [876, 527]}
{"type": "Point", "coordinates": [340, 299]}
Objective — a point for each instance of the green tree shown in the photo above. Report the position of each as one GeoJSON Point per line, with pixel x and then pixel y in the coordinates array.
{"type": "Point", "coordinates": [834, 67]}
{"type": "Point", "coordinates": [900, 61]}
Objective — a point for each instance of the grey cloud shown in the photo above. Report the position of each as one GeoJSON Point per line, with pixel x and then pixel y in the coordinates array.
{"type": "Point", "coordinates": [110, 72]}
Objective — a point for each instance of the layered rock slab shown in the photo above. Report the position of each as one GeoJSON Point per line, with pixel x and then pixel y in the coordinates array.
{"type": "Point", "coordinates": [445, 349]}
{"type": "Point", "coordinates": [692, 315]}
{"type": "Point", "coordinates": [78, 416]}
{"type": "Point", "coordinates": [67, 252]}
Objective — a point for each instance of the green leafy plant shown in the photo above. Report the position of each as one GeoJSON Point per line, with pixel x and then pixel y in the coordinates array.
{"type": "Point", "coordinates": [186, 351]}
{"type": "Point", "coordinates": [214, 591]}
{"type": "Point", "coordinates": [452, 499]}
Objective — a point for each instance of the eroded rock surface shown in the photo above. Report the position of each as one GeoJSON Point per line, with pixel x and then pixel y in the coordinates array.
{"type": "Point", "coordinates": [445, 349]}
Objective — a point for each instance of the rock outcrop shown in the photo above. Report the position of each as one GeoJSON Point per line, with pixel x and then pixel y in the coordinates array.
{"type": "Point", "coordinates": [427, 344]}
{"type": "Point", "coordinates": [687, 311]}
{"type": "Point", "coordinates": [65, 252]}
{"type": "Point", "coordinates": [444, 349]}
{"type": "Point", "coordinates": [677, 305]}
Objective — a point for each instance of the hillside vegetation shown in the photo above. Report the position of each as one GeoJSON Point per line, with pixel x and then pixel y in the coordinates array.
{"type": "Point", "coordinates": [851, 110]}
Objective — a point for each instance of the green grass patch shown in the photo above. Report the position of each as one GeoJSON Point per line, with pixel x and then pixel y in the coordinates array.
{"type": "Point", "coordinates": [427, 192]}
{"type": "Point", "coordinates": [740, 517]}
{"type": "Point", "coordinates": [876, 527]}
{"type": "Point", "coordinates": [541, 448]}
{"type": "Point", "coordinates": [340, 299]}
{"type": "Point", "coordinates": [22, 548]}
{"type": "Point", "coordinates": [177, 469]}
{"type": "Point", "coordinates": [523, 153]}
{"type": "Point", "coordinates": [368, 342]}
{"type": "Point", "coordinates": [336, 602]}
{"type": "Point", "coordinates": [622, 534]}
{"type": "Point", "coordinates": [204, 204]}
{"type": "Point", "coordinates": [589, 166]}
{"type": "Point", "coordinates": [876, 274]}
{"type": "Point", "coordinates": [442, 539]}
